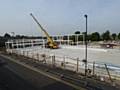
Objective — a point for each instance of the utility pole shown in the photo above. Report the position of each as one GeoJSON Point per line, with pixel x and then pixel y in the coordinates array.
{"type": "Point", "coordinates": [86, 47]}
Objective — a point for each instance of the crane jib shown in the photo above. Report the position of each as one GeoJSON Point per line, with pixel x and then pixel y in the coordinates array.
{"type": "Point", "coordinates": [51, 43]}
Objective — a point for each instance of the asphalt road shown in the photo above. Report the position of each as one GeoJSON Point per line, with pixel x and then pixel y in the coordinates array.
{"type": "Point", "coordinates": [10, 81]}
{"type": "Point", "coordinates": [16, 77]}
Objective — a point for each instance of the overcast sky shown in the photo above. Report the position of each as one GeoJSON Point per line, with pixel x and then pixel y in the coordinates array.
{"type": "Point", "coordinates": [59, 16]}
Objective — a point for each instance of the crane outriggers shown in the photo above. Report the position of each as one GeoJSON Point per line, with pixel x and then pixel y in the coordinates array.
{"type": "Point", "coordinates": [50, 44]}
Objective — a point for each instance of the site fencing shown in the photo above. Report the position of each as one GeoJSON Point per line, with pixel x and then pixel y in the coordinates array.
{"type": "Point", "coordinates": [69, 63]}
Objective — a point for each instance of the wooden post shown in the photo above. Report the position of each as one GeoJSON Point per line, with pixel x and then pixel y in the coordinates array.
{"type": "Point", "coordinates": [77, 65]}
{"type": "Point", "coordinates": [63, 63]}
{"type": "Point", "coordinates": [53, 60]}
{"type": "Point", "coordinates": [93, 68]}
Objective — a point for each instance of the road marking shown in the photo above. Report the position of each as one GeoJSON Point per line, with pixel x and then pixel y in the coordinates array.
{"type": "Point", "coordinates": [43, 73]}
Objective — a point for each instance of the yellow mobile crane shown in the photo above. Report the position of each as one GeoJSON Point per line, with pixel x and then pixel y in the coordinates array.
{"type": "Point", "coordinates": [50, 43]}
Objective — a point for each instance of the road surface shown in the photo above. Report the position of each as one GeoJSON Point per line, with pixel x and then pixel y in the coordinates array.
{"type": "Point", "coordinates": [16, 77]}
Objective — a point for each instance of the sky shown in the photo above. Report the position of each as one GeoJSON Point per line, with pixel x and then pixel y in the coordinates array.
{"type": "Point", "coordinates": [59, 17]}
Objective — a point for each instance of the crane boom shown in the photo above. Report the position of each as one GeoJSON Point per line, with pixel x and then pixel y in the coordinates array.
{"type": "Point", "coordinates": [51, 43]}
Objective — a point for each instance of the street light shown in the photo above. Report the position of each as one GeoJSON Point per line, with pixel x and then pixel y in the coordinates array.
{"type": "Point", "coordinates": [85, 47]}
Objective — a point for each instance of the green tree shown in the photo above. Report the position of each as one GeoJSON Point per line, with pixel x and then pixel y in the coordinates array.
{"type": "Point", "coordinates": [77, 32]}
{"type": "Point", "coordinates": [72, 38]}
{"type": "Point", "coordinates": [65, 37]}
{"type": "Point", "coordinates": [7, 35]}
{"type": "Point", "coordinates": [95, 36]}
{"type": "Point", "coordinates": [114, 36]}
{"type": "Point", "coordinates": [80, 38]}
{"type": "Point", "coordinates": [18, 36]}
{"type": "Point", "coordinates": [106, 35]}
{"type": "Point", "coordinates": [89, 37]}
{"type": "Point", "coordinates": [118, 36]}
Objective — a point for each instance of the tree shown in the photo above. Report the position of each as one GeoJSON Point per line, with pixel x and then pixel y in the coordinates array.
{"type": "Point", "coordinates": [95, 36]}
{"type": "Point", "coordinates": [80, 38]}
{"type": "Point", "coordinates": [7, 35]}
{"type": "Point", "coordinates": [106, 35]}
{"type": "Point", "coordinates": [72, 38]}
{"type": "Point", "coordinates": [18, 36]}
{"type": "Point", "coordinates": [76, 36]}
{"type": "Point", "coordinates": [118, 36]}
{"type": "Point", "coordinates": [114, 36]}
{"type": "Point", "coordinates": [65, 37]}
{"type": "Point", "coordinates": [77, 32]}
{"type": "Point", "coordinates": [88, 37]}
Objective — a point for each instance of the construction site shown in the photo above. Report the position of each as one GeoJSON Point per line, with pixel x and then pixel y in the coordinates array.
{"type": "Point", "coordinates": [89, 63]}
{"type": "Point", "coordinates": [60, 45]}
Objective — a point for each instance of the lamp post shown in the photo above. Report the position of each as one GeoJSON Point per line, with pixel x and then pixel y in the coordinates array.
{"type": "Point", "coordinates": [86, 47]}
